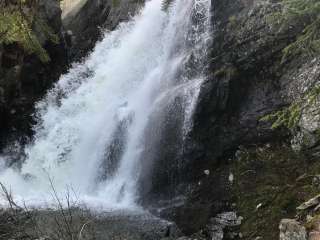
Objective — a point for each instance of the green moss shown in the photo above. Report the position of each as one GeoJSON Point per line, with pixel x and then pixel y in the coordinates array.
{"type": "Point", "coordinates": [277, 180]}
{"type": "Point", "coordinates": [289, 117]}
{"type": "Point", "coordinates": [313, 95]}
{"type": "Point", "coordinates": [305, 12]}
{"type": "Point", "coordinates": [17, 22]}
{"type": "Point", "coordinates": [232, 21]}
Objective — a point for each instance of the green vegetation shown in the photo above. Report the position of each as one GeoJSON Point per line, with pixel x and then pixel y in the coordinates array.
{"type": "Point", "coordinates": [289, 117]}
{"type": "Point", "coordinates": [232, 22]}
{"type": "Point", "coordinates": [270, 182]}
{"type": "Point", "coordinates": [304, 12]}
{"type": "Point", "coordinates": [18, 19]}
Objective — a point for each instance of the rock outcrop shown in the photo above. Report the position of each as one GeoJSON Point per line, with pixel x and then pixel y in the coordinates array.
{"type": "Point", "coordinates": [24, 78]}
{"type": "Point", "coordinates": [292, 230]}
{"type": "Point", "coordinates": [309, 221]}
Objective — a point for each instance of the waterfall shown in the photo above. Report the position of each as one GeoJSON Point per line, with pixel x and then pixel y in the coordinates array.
{"type": "Point", "coordinates": [90, 134]}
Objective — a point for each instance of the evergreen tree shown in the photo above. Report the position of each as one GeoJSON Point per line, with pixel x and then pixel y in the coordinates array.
{"type": "Point", "coordinates": [18, 18]}
{"type": "Point", "coordinates": [306, 12]}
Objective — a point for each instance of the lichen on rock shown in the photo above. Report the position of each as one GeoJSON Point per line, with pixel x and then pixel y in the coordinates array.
{"type": "Point", "coordinates": [292, 230]}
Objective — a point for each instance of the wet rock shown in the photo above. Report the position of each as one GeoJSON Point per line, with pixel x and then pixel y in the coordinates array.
{"type": "Point", "coordinates": [190, 218]}
{"type": "Point", "coordinates": [227, 219]}
{"type": "Point", "coordinates": [292, 230]}
{"type": "Point", "coordinates": [221, 222]}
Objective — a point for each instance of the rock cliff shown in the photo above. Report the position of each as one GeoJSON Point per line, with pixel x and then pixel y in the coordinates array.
{"type": "Point", "coordinates": [234, 160]}
{"type": "Point", "coordinates": [24, 78]}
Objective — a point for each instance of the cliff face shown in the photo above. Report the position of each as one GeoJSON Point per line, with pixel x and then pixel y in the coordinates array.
{"type": "Point", "coordinates": [24, 77]}
{"type": "Point", "coordinates": [248, 79]}
{"type": "Point", "coordinates": [235, 161]}
{"type": "Point", "coordinates": [255, 170]}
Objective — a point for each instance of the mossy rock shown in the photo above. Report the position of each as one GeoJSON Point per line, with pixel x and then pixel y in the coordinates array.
{"type": "Point", "coordinates": [270, 182]}
{"type": "Point", "coordinates": [17, 24]}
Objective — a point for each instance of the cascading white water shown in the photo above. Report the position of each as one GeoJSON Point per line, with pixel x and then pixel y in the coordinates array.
{"type": "Point", "coordinates": [135, 71]}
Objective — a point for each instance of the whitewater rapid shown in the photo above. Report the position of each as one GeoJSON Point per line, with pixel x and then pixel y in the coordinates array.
{"type": "Point", "coordinates": [90, 133]}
